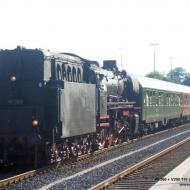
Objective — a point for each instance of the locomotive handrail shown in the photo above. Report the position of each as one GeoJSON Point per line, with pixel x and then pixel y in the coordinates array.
{"type": "Point", "coordinates": [119, 103]}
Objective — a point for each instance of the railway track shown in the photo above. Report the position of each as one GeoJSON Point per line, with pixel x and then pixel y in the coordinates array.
{"type": "Point", "coordinates": [81, 159]}
{"type": "Point", "coordinates": [145, 174]}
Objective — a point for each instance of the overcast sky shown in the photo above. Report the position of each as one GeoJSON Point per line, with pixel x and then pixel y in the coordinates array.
{"type": "Point", "coordinates": [98, 29]}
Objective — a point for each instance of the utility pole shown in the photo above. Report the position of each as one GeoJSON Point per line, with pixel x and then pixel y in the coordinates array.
{"type": "Point", "coordinates": [171, 64]}
{"type": "Point", "coordinates": [121, 57]}
{"type": "Point", "coordinates": [154, 45]}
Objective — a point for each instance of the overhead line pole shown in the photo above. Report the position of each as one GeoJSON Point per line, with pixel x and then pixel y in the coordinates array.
{"type": "Point", "coordinates": [121, 57]}
{"type": "Point", "coordinates": [154, 45]}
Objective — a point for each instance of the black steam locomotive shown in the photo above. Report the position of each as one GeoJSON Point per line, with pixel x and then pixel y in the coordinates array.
{"type": "Point", "coordinates": [56, 106]}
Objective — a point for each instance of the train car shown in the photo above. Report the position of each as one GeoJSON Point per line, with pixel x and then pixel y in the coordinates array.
{"type": "Point", "coordinates": [163, 102]}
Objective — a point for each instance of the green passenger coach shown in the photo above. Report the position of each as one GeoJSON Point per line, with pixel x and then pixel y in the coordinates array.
{"type": "Point", "coordinates": [160, 100]}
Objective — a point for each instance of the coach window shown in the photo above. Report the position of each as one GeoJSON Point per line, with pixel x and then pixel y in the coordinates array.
{"type": "Point", "coordinates": [149, 98]}
{"type": "Point", "coordinates": [167, 99]}
{"type": "Point", "coordinates": [148, 93]}
{"type": "Point", "coordinates": [146, 96]}
{"type": "Point", "coordinates": [159, 99]}
{"type": "Point", "coordinates": [170, 99]}
{"type": "Point", "coordinates": [186, 100]}
{"type": "Point", "coordinates": [146, 99]}
{"type": "Point", "coordinates": [153, 98]}
{"type": "Point", "coordinates": [177, 100]}
{"type": "Point", "coordinates": [164, 98]}
{"type": "Point", "coordinates": [174, 99]}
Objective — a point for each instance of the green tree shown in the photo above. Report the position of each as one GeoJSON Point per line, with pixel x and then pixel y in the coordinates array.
{"type": "Point", "coordinates": [186, 81]}
{"type": "Point", "coordinates": [177, 75]}
{"type": "Point", "coordinates": [156, 75]}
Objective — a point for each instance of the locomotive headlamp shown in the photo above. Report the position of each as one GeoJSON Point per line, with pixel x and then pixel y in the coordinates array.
{"type": "Point", "coordinates": [35, 122]}
{"type": "Point", "coordinates": [13, 78]}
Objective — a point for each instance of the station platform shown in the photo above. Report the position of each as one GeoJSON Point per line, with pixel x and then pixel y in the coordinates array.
{"type": "Point", "coordinates": [177, 179]}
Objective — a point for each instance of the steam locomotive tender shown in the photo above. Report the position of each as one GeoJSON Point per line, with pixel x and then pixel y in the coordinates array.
{"type": "Point", "coordinates": [56, 106]}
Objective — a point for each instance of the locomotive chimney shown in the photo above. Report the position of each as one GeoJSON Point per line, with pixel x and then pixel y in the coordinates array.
{"type": "Point", "coordinates": [110, 65]}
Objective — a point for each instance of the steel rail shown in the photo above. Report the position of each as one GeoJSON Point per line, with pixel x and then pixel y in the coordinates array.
{"type": "Point", "coordinates": [17, 178]}
{"type": "Point", "coordinates": [137, 166]}
{"type": "Point", "coordinates": [82, 158]}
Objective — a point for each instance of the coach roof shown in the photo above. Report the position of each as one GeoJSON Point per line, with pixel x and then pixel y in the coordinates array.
{"type": "Point", "coordinates": [146, 82]}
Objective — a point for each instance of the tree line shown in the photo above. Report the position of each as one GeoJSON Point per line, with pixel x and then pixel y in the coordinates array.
{"type": "Point", "coordinates": [178, 75]}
